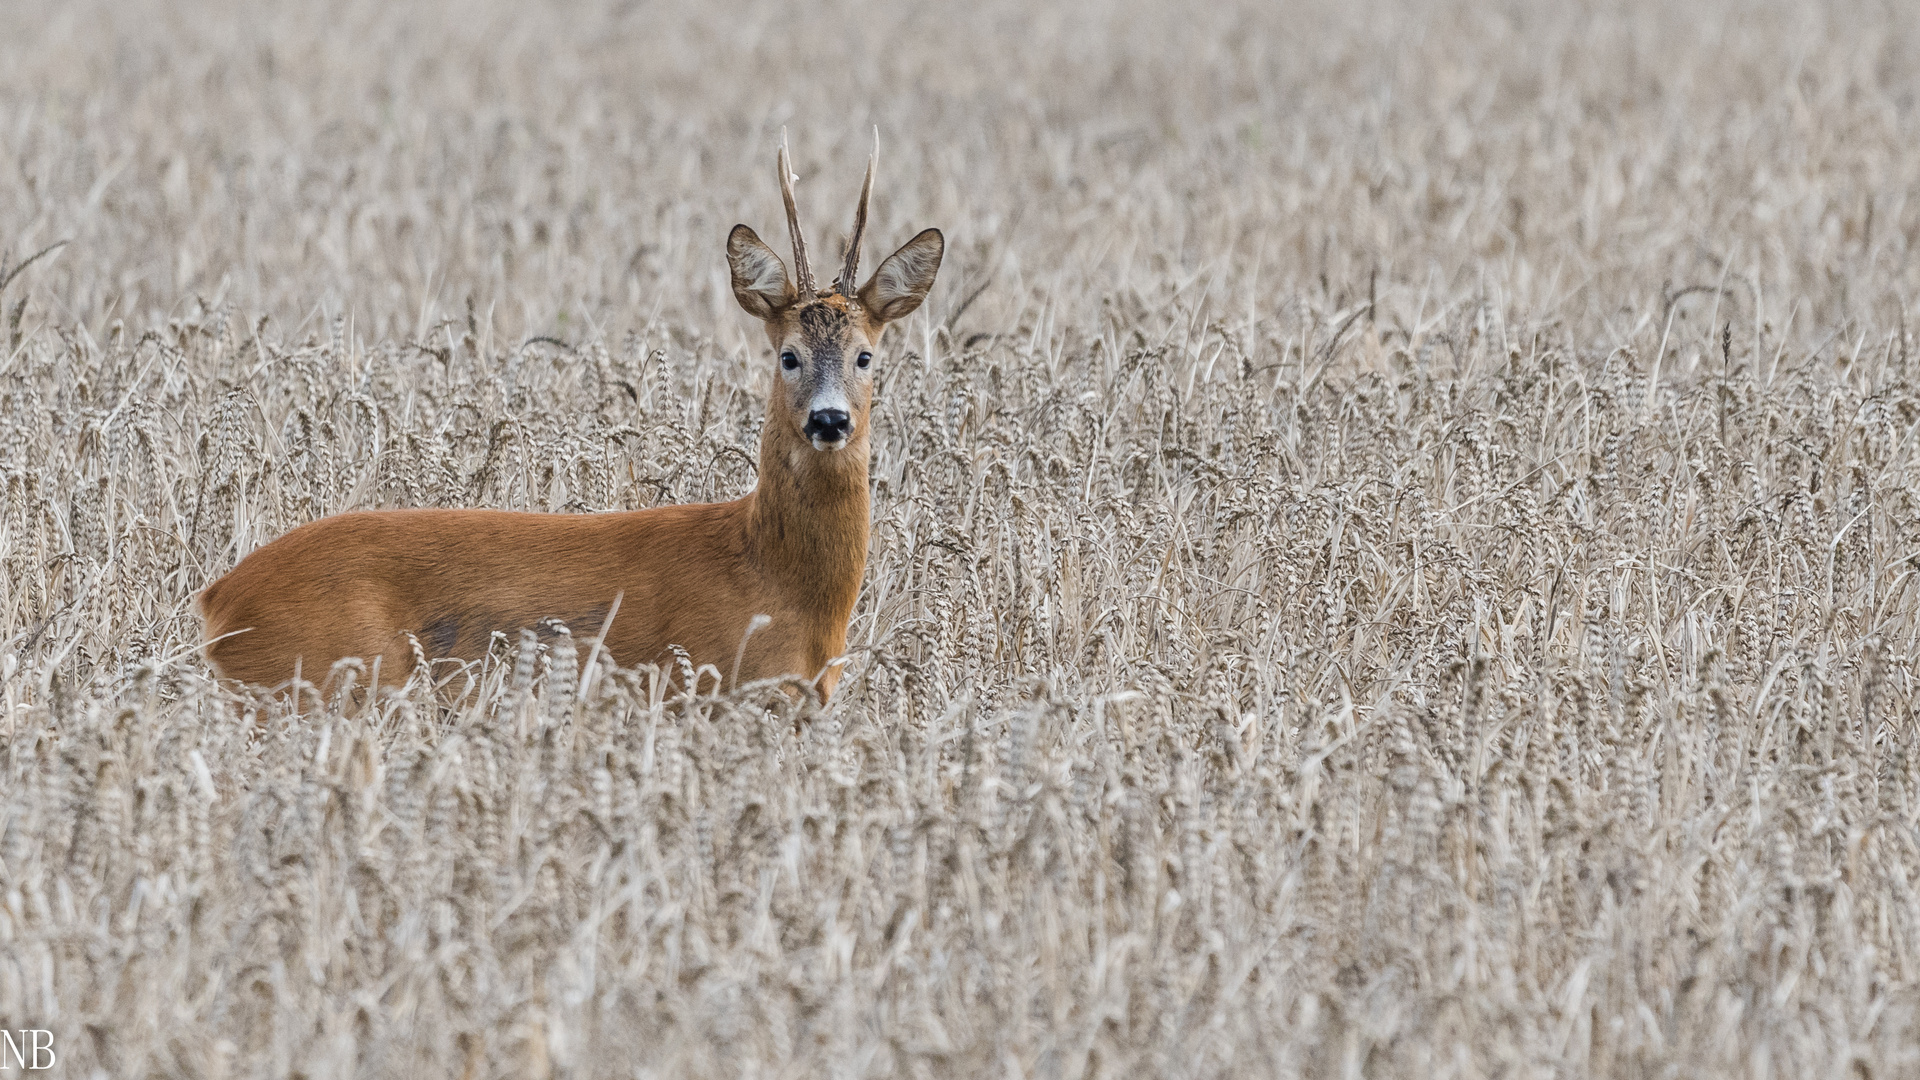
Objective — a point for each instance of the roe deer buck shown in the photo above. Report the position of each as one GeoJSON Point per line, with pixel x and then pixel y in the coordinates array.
{"type": "Point", "coordinates": [370, 584]}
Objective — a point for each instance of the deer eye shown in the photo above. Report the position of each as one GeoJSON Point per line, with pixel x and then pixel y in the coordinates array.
{"type": "Point", "coordinates": [865, 359]}
{"type": "Point", "coordinates": [789, 359]}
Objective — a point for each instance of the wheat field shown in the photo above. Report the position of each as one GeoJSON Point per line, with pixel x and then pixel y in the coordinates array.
{"type": "Point", "coordinates": [1394, 551]}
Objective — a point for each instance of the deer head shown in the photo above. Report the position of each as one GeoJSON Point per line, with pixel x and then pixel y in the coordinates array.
{"type": "Point", "coordinates": [826, 338]}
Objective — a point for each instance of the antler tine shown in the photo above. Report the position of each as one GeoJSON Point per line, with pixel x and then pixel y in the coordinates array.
{"type": "Point", "coordinates": [801, 271]}
{"type": "Point", "coordinates": [849, 272]}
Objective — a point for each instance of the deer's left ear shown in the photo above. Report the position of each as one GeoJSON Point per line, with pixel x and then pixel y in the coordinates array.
{"type": "Point", "coordinates": [901, 283]}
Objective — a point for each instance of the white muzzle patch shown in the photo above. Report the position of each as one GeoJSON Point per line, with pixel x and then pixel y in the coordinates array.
{"type": "Point", "coordinates": [831, 399]}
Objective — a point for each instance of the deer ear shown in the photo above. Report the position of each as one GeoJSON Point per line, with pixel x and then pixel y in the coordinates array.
{"type": "Point", "coordinates": [898, 286]}
{"type": "Point", "coordinates": [760, 279]}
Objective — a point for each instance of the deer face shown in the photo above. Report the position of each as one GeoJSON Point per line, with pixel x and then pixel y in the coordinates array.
{"type": "Point", "coordinates": [825, 339]}
{"type": "Point", "coordinates": [825, 377]}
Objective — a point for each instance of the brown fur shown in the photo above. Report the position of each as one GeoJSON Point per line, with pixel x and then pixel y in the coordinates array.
{"type": "Point", "coordinates": [361, 584]}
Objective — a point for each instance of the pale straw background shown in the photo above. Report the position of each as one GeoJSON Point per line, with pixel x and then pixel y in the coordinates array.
{"type": "Point", "coordinates": [1394, 540]}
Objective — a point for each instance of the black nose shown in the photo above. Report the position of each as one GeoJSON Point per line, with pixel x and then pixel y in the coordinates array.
{"type": "Point", "coordinates": [829, 424]}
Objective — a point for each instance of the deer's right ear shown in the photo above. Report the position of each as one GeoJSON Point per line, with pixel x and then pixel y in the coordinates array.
{"type": "Point", "coordinates": [760, 279]}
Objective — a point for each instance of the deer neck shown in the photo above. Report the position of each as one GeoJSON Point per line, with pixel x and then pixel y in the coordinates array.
{"type": "Point", "coordinates": [809, 519]}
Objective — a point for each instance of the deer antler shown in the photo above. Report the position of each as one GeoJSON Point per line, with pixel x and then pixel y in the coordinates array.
{"type": "Point", "coordinates": [849, 272]}
{"type": "Point", "coordinates": [801, 270]}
